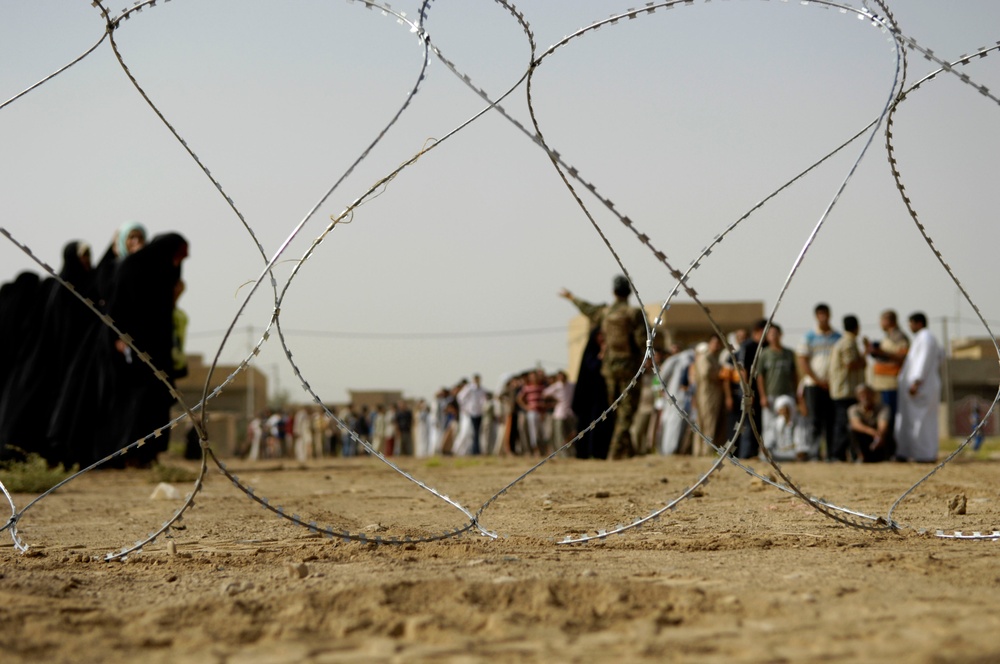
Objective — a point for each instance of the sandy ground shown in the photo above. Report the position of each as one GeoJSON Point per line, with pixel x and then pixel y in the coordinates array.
{"type": "Point", "coordinates": [741, 573]}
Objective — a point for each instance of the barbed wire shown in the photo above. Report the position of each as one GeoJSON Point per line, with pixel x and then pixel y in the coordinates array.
{"type": "Point", "coordinates": [877, 14]}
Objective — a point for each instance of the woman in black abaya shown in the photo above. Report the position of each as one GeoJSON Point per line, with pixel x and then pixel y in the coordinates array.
{"type": "Point", "coordinates": [88, 384]}
{"type": "Point", "coordinates": [142, 307]}
{"type": "Point", "coordinates": [590, 399]}
{"type": "Point", "coordinates": [19, 316]}
{"type": "Point", "coordinates": [46, 353]}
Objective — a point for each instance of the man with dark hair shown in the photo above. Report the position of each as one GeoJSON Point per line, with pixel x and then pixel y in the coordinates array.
{"type": "Point", "coordinates": [888, 355]}
{"type": "Point", "coordinates": [623, 344]}
{"type": "Point", "coordinates": [870, 426]}
{"type": "Point", "coordinates": [846, 373]}
{"type": "Point", "coordinates": [919, 395]}
{"type": "Point", "coordinates": [814, 362]}
{"type": "Point", "coordinates": [404, 427]}
{"type": "Point", "coordinates": [472, 400]}
{"type": "Point", "coordinates": [560, 394]}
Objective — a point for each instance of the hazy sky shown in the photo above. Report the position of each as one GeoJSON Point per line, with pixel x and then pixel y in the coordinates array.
{"type": "Point", "coordinates": [684, 118]}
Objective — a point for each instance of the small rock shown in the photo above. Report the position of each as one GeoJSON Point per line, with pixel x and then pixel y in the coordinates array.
{"type": "Point", "coordinates": [232, 588]}
{"type": "Point", "coordinates": [171, 547]}
{"type": "Point", "coordinates": [164, 491]}
{"type": "Point", "coordinates": [957, 504]}
{"type": "Point", "coordinates": [602, 494]}
{"type": "Point", "coordinates": [298, 570]}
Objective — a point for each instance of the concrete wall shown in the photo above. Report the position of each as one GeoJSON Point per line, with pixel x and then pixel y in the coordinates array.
{"type": "Point", "coordinates": [229, 411]}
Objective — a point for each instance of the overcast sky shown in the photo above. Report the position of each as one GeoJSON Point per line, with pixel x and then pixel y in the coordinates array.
{"type": "Point", "coordinates": [684, 118]}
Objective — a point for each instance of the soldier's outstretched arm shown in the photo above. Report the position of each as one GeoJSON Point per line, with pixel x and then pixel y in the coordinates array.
{"type": "Point", "coordinates": [591, 311]}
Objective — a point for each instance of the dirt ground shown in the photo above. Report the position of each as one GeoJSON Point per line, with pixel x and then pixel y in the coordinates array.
{"type": "Point", "coordinates": [740, 573]}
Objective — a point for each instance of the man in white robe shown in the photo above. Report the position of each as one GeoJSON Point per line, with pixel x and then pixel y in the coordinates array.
{"type": "Point", "coordinates": [672, 422]}
{"type": "Point", "coordinates": [919, 395]}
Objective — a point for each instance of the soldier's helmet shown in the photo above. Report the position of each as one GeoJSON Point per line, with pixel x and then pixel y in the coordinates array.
{"type": "Point", "coordinates": [621, 287]}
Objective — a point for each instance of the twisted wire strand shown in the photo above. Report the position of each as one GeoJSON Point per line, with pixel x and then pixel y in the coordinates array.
{"type": "Point", "coordinates": [11, 524]}
{"type": "Point", "coordinates": [681, 282]}
{"type": "Point", "coordinates": [837, 513]}
{"type": "Point", "coordinates": [568, 174]}
{"type": "Point", "coordinates": [275, 318]}
{"type": "Point", "coordinates": [911, 210]}
{"type": "Point", "coordinates": [976, 535]}
{"type": "Point", "coordinates": [111, 26]}
{"type": "Point", "coordinates": [840, 515]}
{"type": "Point", "coordinates": [173, 520]}
{"type": "Point", "coordinates": [537, 137]}
{"type": "Point", "coordinates": [828, 509]}
{"type": "Point", "coordinates": [888, 521]}
{"type": "Point", "coordinates": [386, 10]}
{"type": "Point", "coordinates": [269, 263]}
{"type": "Point", "coordinates": [55, 73]}
{"type": "Point", "coordinates": [143, 356]}
{"type": "Point", "coordinates": [644, 239]}
{"type": "Point", "coordinates": [425, 40]}
{"type": "Point", "coordinates": [649, 333]}
{"type": "Point", "coordinates": [881, 523]}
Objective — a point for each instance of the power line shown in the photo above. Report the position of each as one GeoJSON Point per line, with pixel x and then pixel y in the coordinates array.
{"type": "Point", "coordinates": [411, 336]}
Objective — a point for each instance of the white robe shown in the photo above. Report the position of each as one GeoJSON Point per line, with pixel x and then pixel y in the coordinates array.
{"type": "Point", "coordinates": [917, 416]}
{"type": "Point", "coordinates": [302, 424]}
{"type": "Point", "coordinates": [435, 423]}
{"type": "Point", "coordinates": [462, 445]}
{"type": "Point", "coordinates": [422, 434]}
{"type": "Point", "coordinates": [673, 425]}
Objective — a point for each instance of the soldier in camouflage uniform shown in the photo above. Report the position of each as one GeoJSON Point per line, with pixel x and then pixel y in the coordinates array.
{"type": "Point", "coordinates": [623, 345]}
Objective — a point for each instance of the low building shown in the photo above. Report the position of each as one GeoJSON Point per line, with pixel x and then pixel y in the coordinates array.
{"type": "Point", "coordinates": [373, 398]}
{"type": "Point", "coordinates": [231, 410]}
{"type": "Point", "coordinates": [971, 377]}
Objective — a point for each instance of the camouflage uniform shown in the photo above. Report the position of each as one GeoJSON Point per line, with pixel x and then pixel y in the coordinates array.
{"type": "Point", "coordinates": [624, 342]}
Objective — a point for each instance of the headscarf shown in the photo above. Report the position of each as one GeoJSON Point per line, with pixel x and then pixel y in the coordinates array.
{"type": "Point", "coordinates": [73, 270]}
{"type": "Point", "coordinates": [123, 233]}
{"type": "Point", "coordinates": [784, 401]}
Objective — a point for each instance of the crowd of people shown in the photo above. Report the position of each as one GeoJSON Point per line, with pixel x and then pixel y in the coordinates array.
{"type": "Point", "coordinates": [529, 414]}
{"type": "Point", "coordinates": [838, 397]}
{"type": "Point", "coordinates": [71, 390]}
